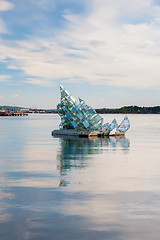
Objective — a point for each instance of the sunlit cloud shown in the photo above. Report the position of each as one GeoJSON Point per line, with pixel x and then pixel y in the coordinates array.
{"type": "Point", "coordinates": [15, 96]}
{"type": "Point", "coordinates": [5, 5]}
{"type": "Point", "coordinates": [42, 82]}
{"type": "Point", "coordinates": [4, 78]}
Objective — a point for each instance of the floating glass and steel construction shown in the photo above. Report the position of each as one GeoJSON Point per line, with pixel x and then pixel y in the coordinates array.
{"type": "Point", "coordinates": [80, 117]}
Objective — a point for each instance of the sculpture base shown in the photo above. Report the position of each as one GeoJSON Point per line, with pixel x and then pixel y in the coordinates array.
{"type": "Point", "coordinates": [73, 132]}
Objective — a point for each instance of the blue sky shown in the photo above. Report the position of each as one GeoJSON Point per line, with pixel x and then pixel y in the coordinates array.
{"type": "Point", "coordinates": [106, 52]}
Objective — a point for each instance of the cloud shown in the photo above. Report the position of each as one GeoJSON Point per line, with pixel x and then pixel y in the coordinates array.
{"type": "Point", "coordinates": [45, 4]}
{"type": "Point", "coordinates": [4, 78]}
{"type": "Point", "coordinates": [15, 96]}
{"type": "Point", "coordinates": [5, 5]}
{"type": "Point", "coordinates": [113, 43]}
{"type": "Point", "coordinates": [38, 81]}
{"type": "Point", "coordinates": [1, 97]}
{"type": "Point", "coordinates": [3, 28]}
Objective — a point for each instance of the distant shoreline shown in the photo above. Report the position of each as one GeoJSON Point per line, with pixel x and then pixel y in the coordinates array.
{"type": "Point", "coordinates": [130, 110]}
{"type": "Point", "coordinates": [122, 110]}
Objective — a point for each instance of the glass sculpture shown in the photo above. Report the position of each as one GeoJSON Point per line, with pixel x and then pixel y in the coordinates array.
{"type": "Point", "coordinates": [83, 118]}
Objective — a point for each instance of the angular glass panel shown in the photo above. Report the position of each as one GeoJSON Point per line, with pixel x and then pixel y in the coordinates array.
{"type": "Point", "coordinates": [125, 125]}
{"type": "Point", "coordinates": [73, 100]}
{"type": "Point", "coordinates": [79, 106]}
{"type": "Point", "coordinates": [79, 116]}
{"type": "Point", "coordinates": [74, 124]}
{"type": "Point", "coordinates": [74, 109]}
{"type": "Point", "coordinates": [61, 124]}
{"type": "Point", "coordinates": [97, 118]}
{"type": "Point", "coordinates": [64, 108]}
{"type": "Point", "coordinates": [67, 92]}
{"type": "Point", "coordinates": [91, 111]}
{"type": "Point", "coordinates": [86, 113]}
{"type": "Point", "coordinates": [86, 124]}
{"type": "Point", "coordinates": [68, 116]}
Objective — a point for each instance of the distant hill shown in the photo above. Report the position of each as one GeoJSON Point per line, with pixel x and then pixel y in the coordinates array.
{"type": "Point", "coordinates": [131, 109]}
{"type": "Point", "coordinates": [12, 108]}
{"type": "Point", "coordinates": [15, 108]}
{"type": "Point", "coordinates": [125, 109]}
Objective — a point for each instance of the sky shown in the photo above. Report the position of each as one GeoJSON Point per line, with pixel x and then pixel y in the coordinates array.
{"type": "Point", "coordinates": [103, 51]}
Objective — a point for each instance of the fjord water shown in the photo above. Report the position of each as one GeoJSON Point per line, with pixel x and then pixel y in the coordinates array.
{"type": "Point", "coordinates": [70, 188]}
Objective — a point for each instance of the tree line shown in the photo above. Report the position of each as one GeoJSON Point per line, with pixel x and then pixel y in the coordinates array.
{"type": "Point", "coordinates": [131, 109]}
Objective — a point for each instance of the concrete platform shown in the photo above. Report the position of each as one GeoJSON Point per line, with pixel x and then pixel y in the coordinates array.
{"type": "Point", "coordinates": [68, 132]}
{"type": "Point", "coordinates": [73, 132]}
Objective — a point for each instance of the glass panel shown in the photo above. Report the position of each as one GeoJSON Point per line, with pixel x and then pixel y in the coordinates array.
{"type": "Point", "coordinates": [68, 116]}
{"type": "Point", "coordinates": [74, 124]}
{"type": "Point", "coordinates": [74, 109]}
{"type": "Point", "coordinates": [86, 124]}
{"type": "Point", "coordinates": [73, 100]}
{"type": "Point", "coordinates": [97, 118]}
{"type": "Point", "coordinates": [86, 114]}
{"type": "Point", "coordinates": [67, 92]}
{"type": "Point", "coordinates": [64, 108]}
{"type": "Point", "coordinates": [91, 111]}
{"type": "Point", "coordinates": [79, 116]}
{"type": "Point", "coordinates": [79, 106]}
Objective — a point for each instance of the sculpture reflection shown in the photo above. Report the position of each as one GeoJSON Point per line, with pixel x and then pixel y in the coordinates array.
{"type": "Point", "coordinates": [75, 152]}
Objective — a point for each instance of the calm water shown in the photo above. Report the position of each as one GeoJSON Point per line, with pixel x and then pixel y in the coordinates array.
{"type": "Point", "coordinates": [69, 188]}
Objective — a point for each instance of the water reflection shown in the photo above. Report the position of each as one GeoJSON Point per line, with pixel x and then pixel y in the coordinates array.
{"type": "Point", "coordinates": [119, 192]}
{"type": "Point", "coordinates": [75, 152]}
{"type": "Point", "coordinates": [118, 143]}
{"type": "Point", "coordinates": [4, 215]}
